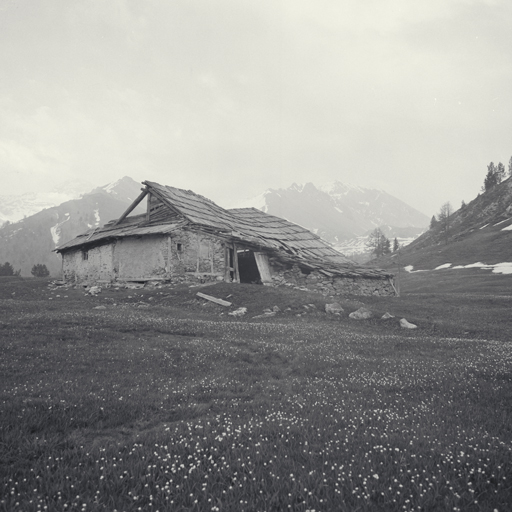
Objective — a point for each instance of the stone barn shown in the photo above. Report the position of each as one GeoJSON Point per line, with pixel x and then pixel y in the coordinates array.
{"type": "Point", "coordinates": [184, 237]}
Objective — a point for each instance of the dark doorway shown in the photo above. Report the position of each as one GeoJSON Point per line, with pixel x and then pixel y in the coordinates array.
{"type": "Point", "coordinates": [247, 268]}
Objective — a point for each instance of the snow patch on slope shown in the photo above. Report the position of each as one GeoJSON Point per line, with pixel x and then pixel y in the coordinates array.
{"type": "Point", "coordinates": [497, 268]}
{"type": "Point", "coordinates": [56, 230]}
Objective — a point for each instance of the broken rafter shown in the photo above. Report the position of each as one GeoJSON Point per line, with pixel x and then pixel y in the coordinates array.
{"type": "Point", "coordinates": [132, 207]}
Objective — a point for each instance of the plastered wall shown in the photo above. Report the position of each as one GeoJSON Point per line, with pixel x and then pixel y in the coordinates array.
{"type": "Point", "coordinates": [174, 257]}
{"type": "Point", "coordinates": [94, 264]}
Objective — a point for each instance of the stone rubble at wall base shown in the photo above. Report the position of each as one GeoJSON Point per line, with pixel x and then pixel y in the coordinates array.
{"type": "Point", "coordinates": [336, 285]}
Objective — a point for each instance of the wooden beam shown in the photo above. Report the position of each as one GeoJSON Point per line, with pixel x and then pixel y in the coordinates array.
{"type": "Point", "coordinates": [263, 267]}
{"type": "Point", "coordinates": [132, 207]}
{"type": "Point", "coordinates": [213, 299]}
{"type": "Point", "coordinates": [235, 264]}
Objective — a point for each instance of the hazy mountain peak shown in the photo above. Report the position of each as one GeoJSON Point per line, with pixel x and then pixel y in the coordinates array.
{"type": "Point", "coordinates": [125, 187]}
{"type": "Point", "coordinates": [339, 188]}
{"type": "Point", "coordinates": [299, 187]}
{"type": "Point", "coordinates": [337, 211]}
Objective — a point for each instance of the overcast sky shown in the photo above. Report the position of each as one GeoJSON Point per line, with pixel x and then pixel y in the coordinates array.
{"type": "Point", "coordinates": [231, 97]}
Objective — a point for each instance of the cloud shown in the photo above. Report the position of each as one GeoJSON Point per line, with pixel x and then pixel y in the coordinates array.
{"type": "Point", "coordinates": [238, 95]}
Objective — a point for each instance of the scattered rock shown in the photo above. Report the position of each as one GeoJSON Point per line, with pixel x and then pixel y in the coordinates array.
{"type": "Point", "coordinates": [407, 325]}
{"type": "Point", "coordinates": [238, 312]}
{"type": "Point", "coordinates": [387, 316]}
{"type": "Point", "coordinates": [334, 308]}
{"type": "Point", "coordinates": [94, 290]}
{"type": "Point", "coordinates": [266, 314]}
{"type": "Point", "coordinates": [134, 286]}
{"type": "Point", "coordinates": [361, 314]}
{"type": "Point", "coordinates": [100, 307]}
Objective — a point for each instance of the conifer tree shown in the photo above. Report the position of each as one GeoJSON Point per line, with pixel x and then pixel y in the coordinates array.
{"type": "Point", "coordinates": [7, 269]}
{"type": "Point", "coordinates": [444, 217]}
{"type": "Point", "coordinates": [40, 270]}
{"type": "Point", "coordinates": [378, 243]}
{"type": "Point", "coordinates": [491, 179]}
{"type": "Point", "coordinates": [500, 172]}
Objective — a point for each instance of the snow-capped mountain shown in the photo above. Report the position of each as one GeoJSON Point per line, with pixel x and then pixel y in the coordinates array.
{"type": "Point", "coordinates": [32, 239]}
{"type": "Point", "coordinates": [16, 207]}
{"type": "Point", "coordinates": [338, 212]}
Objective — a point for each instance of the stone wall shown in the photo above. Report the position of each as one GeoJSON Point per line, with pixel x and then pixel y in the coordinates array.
{"type": "Point", "coordinates": [187, 256]}
{"type": "Point", "coordinates": [292, 276]}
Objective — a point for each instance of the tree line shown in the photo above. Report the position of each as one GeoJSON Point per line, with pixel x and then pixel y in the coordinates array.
{"type": "Point", "coordinates": [496, 174]}
{"type": "Point", "coordinates": [379, 244]}
{"type": "Point", "coordinates": [38, 270]}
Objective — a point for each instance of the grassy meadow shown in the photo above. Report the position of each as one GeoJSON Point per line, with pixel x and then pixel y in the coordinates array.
{"type": "Point", "coordinates": [161, 401]}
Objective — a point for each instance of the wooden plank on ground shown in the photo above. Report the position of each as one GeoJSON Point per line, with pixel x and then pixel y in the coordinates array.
{"type": "Point", "coordinates": [213, 299]}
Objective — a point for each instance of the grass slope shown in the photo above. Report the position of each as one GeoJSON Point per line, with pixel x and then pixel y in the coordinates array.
{"type": "Point", "coordinates": [161, 403]}
{"type": "Point", "coordinates": [475, 234]}
{"type": "Point", "coordinates": [489, 245]}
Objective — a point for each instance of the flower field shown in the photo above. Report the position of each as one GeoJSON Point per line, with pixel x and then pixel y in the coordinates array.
{"type": "Point", "coordinates": [132, 409]}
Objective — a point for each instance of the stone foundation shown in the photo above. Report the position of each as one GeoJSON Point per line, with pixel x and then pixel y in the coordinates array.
{"type": "Point", "coordinates": [336, 285]}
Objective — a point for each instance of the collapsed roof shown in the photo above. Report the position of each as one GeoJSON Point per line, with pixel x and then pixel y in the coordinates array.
{"type": "Point", "coordinates": [171, 209]}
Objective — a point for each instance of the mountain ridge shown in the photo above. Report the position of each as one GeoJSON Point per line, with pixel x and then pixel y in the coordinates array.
{"type": "Point", "coordinates": [336, 211]}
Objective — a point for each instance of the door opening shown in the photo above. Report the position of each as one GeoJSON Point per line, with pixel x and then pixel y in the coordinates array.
{"type": "Point", "coordinates": [248, 268]}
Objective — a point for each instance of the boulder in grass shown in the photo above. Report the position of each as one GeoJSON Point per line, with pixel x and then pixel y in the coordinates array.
{"type": "Point", "coordinates": [266, 314]}
{"type": "Point", "coordinates": [407, 325]}
{"type": "Point", "coordinates": [334, 308]}
{"type": "Point", "coordinates": [94, 290]}
{"type": "Point", "coordinates": [361, 314]}
{"type": "Point", "coordinates": [387, 316]}
{"type": "Point", "coordinates": [238, 312]}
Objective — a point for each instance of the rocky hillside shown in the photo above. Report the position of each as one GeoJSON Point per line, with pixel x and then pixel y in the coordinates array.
{"type": "Point", "coordinates": [339, 212]}
{"type": "Point", "coordinates": [32, 240]}
{"type": "Point", "coordinates": [480, 232]}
